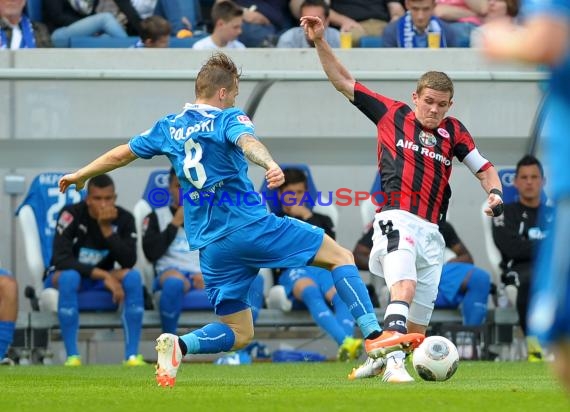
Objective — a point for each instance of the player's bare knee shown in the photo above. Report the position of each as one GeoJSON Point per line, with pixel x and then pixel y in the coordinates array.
{"type": "Point", "coordinates": [243, 336]}
{"type": "Point", "coordinates": [343, 257]}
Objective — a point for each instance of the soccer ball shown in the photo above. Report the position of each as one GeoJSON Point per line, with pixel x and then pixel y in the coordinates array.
{"type": "Point", "coordinates": [436, 359]}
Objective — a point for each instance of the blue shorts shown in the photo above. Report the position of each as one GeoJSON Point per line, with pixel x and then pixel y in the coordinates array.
{"type": "Point", "coordinates": [86, 283]}
{"type": "Point", "coordinates": [230, 264]}
{"type": "Point", "coordinates": [452, 276]}
{"type": "Point", "coordinates": [4, 272]}
{"type": "Point", "coordinates": [322, 278]}
{"type": "Point", "coordinates": [188, 275]}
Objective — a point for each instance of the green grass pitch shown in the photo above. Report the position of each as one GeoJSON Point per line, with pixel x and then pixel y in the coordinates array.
{"type": "Point", "coordinates": [477, 386]}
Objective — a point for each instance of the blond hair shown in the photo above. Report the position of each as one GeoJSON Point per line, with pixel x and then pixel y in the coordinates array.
{"type": "Point", "coordinates": [217, 73]}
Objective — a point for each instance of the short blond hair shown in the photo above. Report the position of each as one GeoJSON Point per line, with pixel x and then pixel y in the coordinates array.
{"type": "Point", "coordinates": [435, 80]}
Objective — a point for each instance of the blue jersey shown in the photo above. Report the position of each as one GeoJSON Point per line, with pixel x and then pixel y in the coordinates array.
{"type": "Point", "coordinates": [557, 144]}
{"type": "Point", "coordinates": [549, 308]}
{"type": "Point", "coordinates": [201, 144]}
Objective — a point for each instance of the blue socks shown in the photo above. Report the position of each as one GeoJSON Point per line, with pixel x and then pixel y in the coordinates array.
{"type": "Point", "coordinates": [6, 336]}
{"type": "Point", "coordinates": [321, 313]}
{"type": "Point", "coordinates": [212, 338]}
{"type": "Point", "coordinates": [475, 301]}
{"type": "Point", "coordinates": [133, 309]}
{"type": "Point", "coordinates": [171, 303]}
{"type": "Point", "coordinates": [354, 294]}
{"type": "Point", "coordinates": [68, 314]}
{"type": "Point", "coordinates": [67, 309]}
{"type": "Point", "coordinates": [342, 315]}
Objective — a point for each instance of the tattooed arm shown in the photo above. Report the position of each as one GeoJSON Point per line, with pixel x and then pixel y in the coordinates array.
{"type": "Point", "coordinates": [257, 153]}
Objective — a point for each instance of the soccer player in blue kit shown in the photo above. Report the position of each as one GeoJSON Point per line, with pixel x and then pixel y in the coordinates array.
{"type": "Point", "coordinates": [208, 144]}
{"type": "Point", "coordinates": [544, 38]}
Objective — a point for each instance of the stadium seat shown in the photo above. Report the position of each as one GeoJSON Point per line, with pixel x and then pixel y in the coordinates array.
{"type": "Point", "coordinates": [367, 207]}
{"type": "Point", "coordinates": [37, 218]}
{"type": "Point", "coordinates": [510, 195]}
{"type": "Point", "coordinates": [34, 10]}
{"type": "Point", "coordinates": [321, 199]}
{"type": "Point", "coordinates": [371, 41]}
{"type": "Point", "coordinates": [158, 179]}
{"type": "Point", "coordinates": [491, 249]}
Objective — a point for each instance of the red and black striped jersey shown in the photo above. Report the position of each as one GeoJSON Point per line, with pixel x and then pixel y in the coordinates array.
{"type": "Point", "coordinates": [414, 162]}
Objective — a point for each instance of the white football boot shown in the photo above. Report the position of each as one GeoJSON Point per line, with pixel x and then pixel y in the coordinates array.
{"type": "Point", "coordinates": [396, 368]}
{"type": "Point", "coordinates": [169, 359]}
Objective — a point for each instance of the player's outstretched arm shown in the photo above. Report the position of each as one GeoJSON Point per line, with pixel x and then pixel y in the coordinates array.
{"type": "Point", "coordinates": [338, 75]}
{"type": "Point", "coordinates": [117, 157]}
{"type": "Point", "coordinates": [491, 183]}
{"type": "Point", "coordinates": [257, 153]}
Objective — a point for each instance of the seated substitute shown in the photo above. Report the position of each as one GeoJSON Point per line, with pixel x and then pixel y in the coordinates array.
{"type": "Point", "coordinates": [91, 237]}
{"type": "Point", "coordinates": [313, 285]}
{"type": "Point", "coordinates": [461, 283]}
{"type": "Point", "coordinates": [8, 314]}
{"type": "Point", "coordinates": [177, 268]}
{"type": "Point", "coordinates": [517, 234]}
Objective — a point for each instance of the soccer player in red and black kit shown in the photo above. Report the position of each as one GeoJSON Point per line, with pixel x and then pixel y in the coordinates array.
{"type": "Point", "coordinates": [415, 151]}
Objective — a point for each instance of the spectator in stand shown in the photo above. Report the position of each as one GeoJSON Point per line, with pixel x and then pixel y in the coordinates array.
{"type": "Point", "coordinates": [413, 29]}
{"type": "Point", "coordinates": [464, 16]}
{"type": "Point", "coordinates": [360, 17]}
{"type": "Point", "coordinates": [295, 36]}
{"type": "Point", "coordinates": [264, 21]}
{"type": "Point", "coordinates": [498, 10]}
{"type": "Point", "coordinates": [227, 18]}
{"type": "Point", "coordinates": [155, 33]}
{"type": "Point", "coordinates": [16, 29]}
{"type": "Point", "coordinates": [67, 19]}
{"type": "Point", "coordinates": [171, 10]}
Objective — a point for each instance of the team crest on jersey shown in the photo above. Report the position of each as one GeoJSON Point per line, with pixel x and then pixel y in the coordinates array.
{"type": "Point", "coordinates": [443, 133]}
{"type": "Point", "coordinates": [64, 221]}
{"type": "Point", "coordinates": [427, 139]}
{"type": "Point", "coordinates": [245, 120]}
